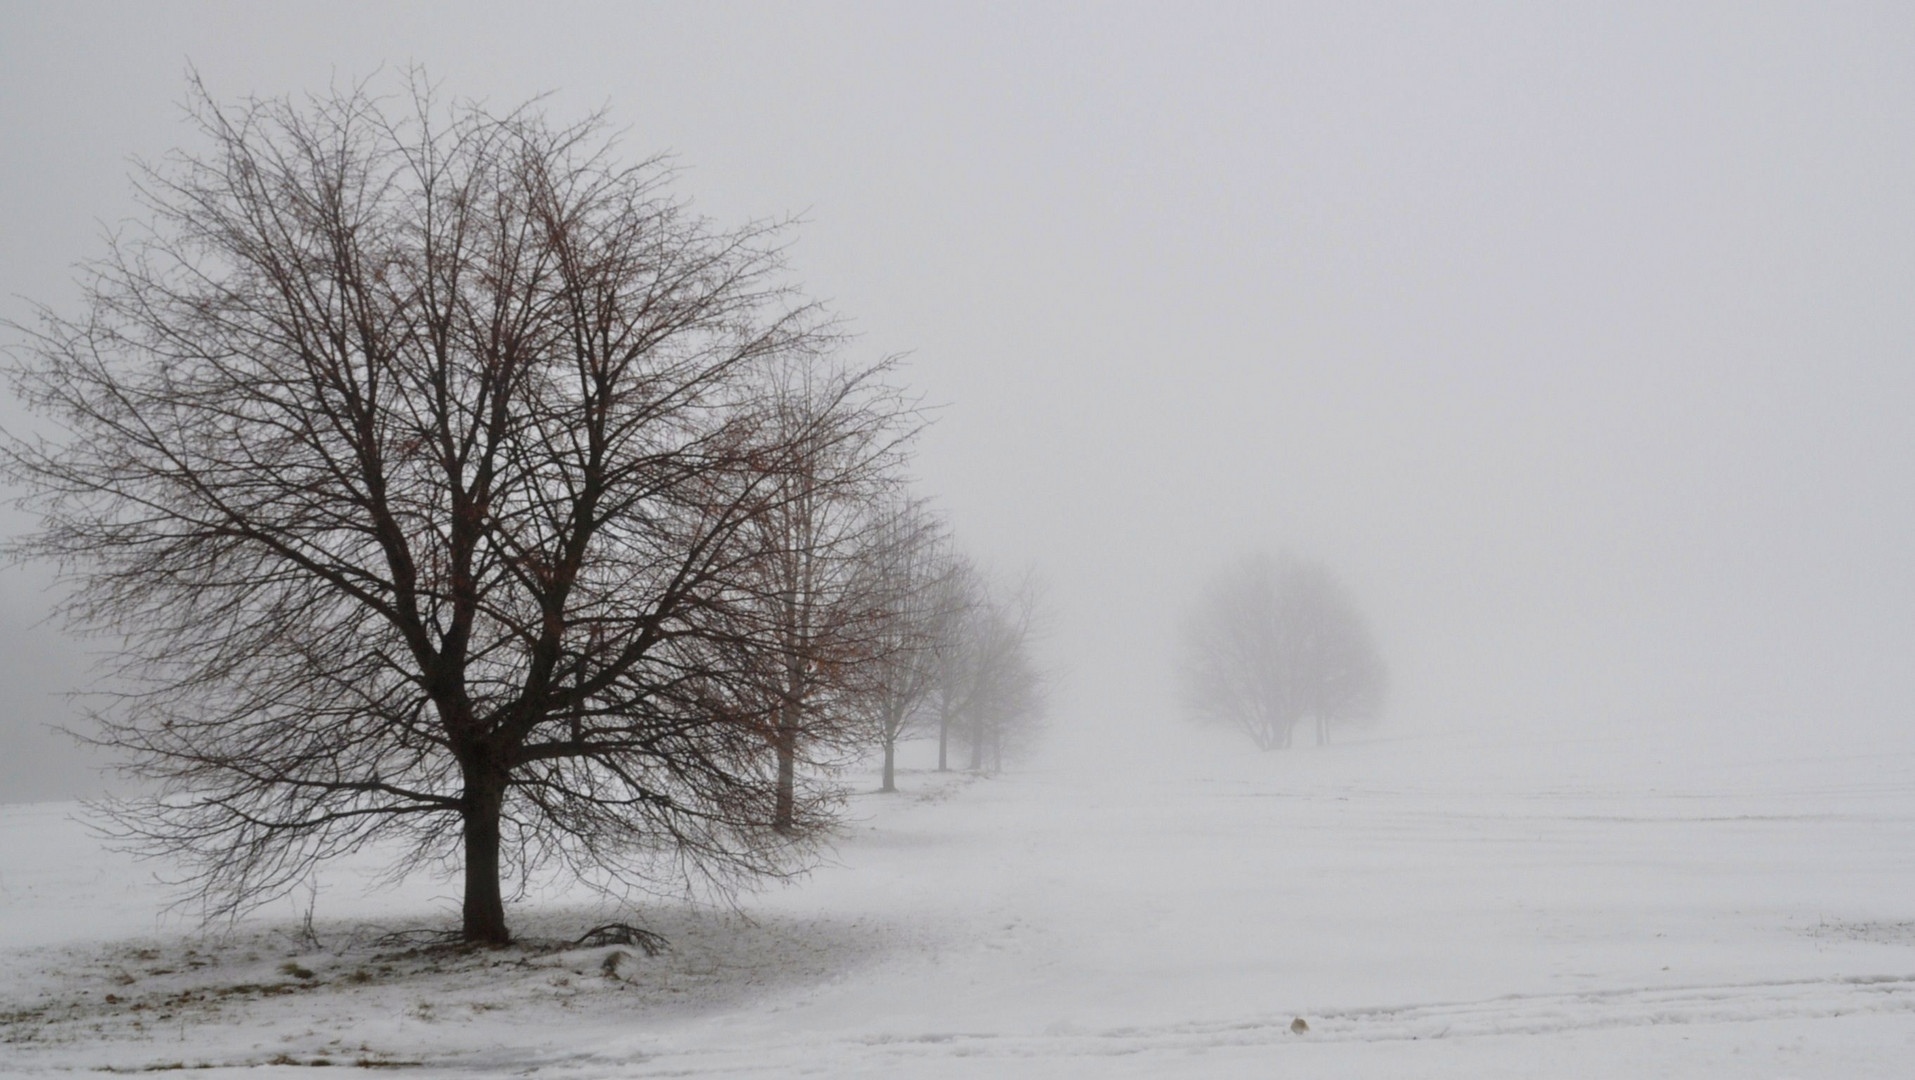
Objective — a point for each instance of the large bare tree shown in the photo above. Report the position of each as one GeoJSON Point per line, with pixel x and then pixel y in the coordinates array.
{"type": "Point", "coordinates": [415, 457]}
{"type": "Point", "coordinates": [1272, 643]}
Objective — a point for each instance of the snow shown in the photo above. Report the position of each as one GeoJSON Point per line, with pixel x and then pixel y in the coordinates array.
{"type": "Point", "coordinates": [1428, 906]}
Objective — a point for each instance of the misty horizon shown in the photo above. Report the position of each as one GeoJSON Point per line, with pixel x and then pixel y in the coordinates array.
{"type": "Point", "coordinates": [1572, 340]}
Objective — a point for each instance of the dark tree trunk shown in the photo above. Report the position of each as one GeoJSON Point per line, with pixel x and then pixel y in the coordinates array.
{"type": "Point", "coordinates": [783, 812]}
{"type": "Point", "coordinates": [890, 765]}
{"type": "Point", "coordinates": [944, 738]}
{"type": "Point", "coordinates": [484, 900]}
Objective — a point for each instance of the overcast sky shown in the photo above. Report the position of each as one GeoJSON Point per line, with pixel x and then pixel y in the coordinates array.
{"type": "Point", "coordinates": [1580, 340]}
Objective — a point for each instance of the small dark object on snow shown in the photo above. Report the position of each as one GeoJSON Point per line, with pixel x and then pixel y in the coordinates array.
{"type": "Point", "coordinates": [612, 959]}
{"type": "Point", "coordinates": [1298, 1027]}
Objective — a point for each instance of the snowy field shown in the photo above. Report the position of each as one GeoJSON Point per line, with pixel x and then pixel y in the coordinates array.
{"type": "Point", "coordinates": [1427, 907]}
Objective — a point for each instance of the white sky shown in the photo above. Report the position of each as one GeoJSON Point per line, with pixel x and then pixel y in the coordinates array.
{"type": "Point", "coordinates": [1577, 338]}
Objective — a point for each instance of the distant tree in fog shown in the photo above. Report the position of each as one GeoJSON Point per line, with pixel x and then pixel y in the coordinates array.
{"type": "Point", "coordinates": [907, 565]}
{"type": "Point", "coordinates": [991, 693]}
{"type": "Point", "coordinates": [952, 651]}
{"type": "Point", "coordinates": [831, 545]}
{"type": "Point", "coordinates": [1274, 643]}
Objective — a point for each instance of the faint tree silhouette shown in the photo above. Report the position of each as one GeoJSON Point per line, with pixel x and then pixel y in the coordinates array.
{"type": "Point", "coordinates": [1272, 643]}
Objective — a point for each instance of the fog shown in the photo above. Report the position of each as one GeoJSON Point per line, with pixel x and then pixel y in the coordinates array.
{"type": "Point", "coordinates": [1575, 339]}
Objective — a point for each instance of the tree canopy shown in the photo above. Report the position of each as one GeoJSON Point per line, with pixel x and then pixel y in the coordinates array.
{"type": "Point", "coordinates": [1272, 643]}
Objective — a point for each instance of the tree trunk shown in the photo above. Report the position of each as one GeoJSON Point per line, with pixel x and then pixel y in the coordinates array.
{"type": "Point", "coordinates": [890, 765]}
{"type": "Point", "coordinates": [944, 737]}
{"type": "Point", "coordinates": [484, 912]}
{"type": "Point", "coordinates": [783, 812]}
{"type": "Point", "coordinates": [977, 746]}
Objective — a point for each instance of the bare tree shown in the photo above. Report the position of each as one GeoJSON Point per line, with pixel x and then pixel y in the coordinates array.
{"type": "Point", "coordinates": [416, 458]}
{"type": "Point", "coordinates": [908, 566]}
{"type": "Point", "coordinates": [990, 691]}
{"type": "Point", "coordinates": [953, 649]}
{"type": "Point", "coordinates": [832, 616]}
{"type": "Point", "coordinates": [1272, 643]}
{"type": "Point", "coordinates": [1011, 690]}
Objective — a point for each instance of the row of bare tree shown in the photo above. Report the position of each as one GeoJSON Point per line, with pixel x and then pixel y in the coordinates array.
{"type": "Point", "coordinates": [438, 478]}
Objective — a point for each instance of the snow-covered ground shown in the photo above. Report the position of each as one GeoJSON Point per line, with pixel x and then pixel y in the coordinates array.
{"type": "Point", "coordinates": [1427, 906]}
